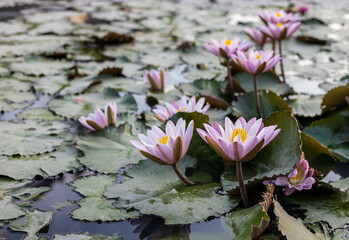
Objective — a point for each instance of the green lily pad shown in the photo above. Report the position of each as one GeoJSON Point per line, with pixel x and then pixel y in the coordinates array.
{"type": "Point", "coordinates": [137, 125]}
{"type": "Point", "coordinates": [335, 98]}
{"type": "Point", "coordinates": [202, 87]}
{"type": "Point", "coordinates": [94, 206]}
{"type": "Point", "coordinates": [70, 108]}
{"type": "Point", "coordinates": [9, 210]}
{"type": "Point", "coordinates": [26, 194]}
{"type": "Point", "coordinates": [306, 106]}
{"type": "Point", "coordinates": [162, 97]}
{"type": "Point", "coordinates": [342, 184]}
{"type": "Point", "coordinates": [39, 113]}
{"type": "Point", "coordinates": [31, 137]}
{"type": "Point", "coordinates": [265, 81]}
{"type": "Point", "coordinates": [41, 68]}
{"type": "Point", "coordinates": [155, 189]}
{"type": "Point", "coordinates": [331, 207]}
{"type": "Point", "coordinates": [85, 236]}
{"type": "Point", "coordinates": [333, 133]}
{"type": "Point", "coordinates": [269, 101]}
{"type": "Point", "coordinates": [109, 150]}
{"type": "Point", "coordinates": [267, 163]}
{"type": "Point", "coordinates": [51, 84]}
{"type": "Point", "coordinates": [7, 184]}
{"type": "Point", "coordinates": [48, 164]}
{"type": "Point", "coordinates": [31, 223]}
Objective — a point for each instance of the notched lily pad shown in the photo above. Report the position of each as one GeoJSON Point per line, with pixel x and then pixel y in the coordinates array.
{"type": "Point", "coordinates": [305, 106]}
{"type": "Point", "coordinates": [9, 210]}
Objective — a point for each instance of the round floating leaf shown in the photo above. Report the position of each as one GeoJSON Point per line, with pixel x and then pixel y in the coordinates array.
{"type": "Point", "coordinates": [268, 163]}
{"type": "Point", "coordinates": [39, 113]}
{"type": "Point", "coordinates": [26, 194]}
{"type": "Point", "coordinates": [333, 133]}
{"type": "Point", "coordinates": [202, 87]}
{"type": "Point", "coordinates": [41, 68]}
{"type": "Point", "coordinates": [330, 207]}
{"type": "Point", "coordinates": [70, 108]}
{"type": "Point", "coordinates": [109, 150]}
{"type": "Point", "coordinates": [335, 98]}
{"type": "Point", "coordinates": [9, 210]}
{"type": "Point", "coordinates": [269, 101]}
{"type": "Point", "coordinates": [342, 184]}
{"type": "Point", "coordinates": [85, 236]}
{"type": "Point", "coordinates": [48, 164]}
{"type": "Point", "coordinates": [31, 137]}
{"type": "Point", "coordinates": [265, 81]}
{"type": "Point", "coordinates": [155, 189]}
{"type": "Point", "coordinates": [32, 222]}
{"type": "Point", "coordinates": [94, 206]}
{"type": "Point", "coordinates": [137, 125]}
{"type": "Point", "coordinates": [161, 97]}
{"type": "Point", "coordinates": [306, 106]}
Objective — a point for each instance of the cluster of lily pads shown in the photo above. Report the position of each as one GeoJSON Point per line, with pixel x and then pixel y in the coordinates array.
{"type": "Point", "coordinates": [220, 146]}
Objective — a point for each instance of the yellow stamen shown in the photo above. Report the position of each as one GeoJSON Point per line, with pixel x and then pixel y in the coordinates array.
{"type": "Point", "coordinates": [228, 42]}
{"type": "Point", "coordinates": [296, 179]}
{"type": "Point", "coordinates": [163, 140]}
{"type": "Point", "coordinates": [239, 131]}
{"type": "Point", "coordinates": [279, 25]}
{"type": "Point", "coordinates": [278, 14]}
{"type": "Point", "coordinates": [258, 56]}
{"type": "Point", "coordinates": [179, 109]}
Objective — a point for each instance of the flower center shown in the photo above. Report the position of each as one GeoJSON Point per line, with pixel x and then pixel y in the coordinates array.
{"type": "Point", "coordinates": [179, 109]}
{"type": "Point", "coordinates": [279, 25]}
{"type": "Point", "coordinates": [228, 42]}
{"type": "Point", "coordinates": [239, 131]}
{"type": "Point", "coordinates": [163, 140]}
{"type": "Point", "coordinates": [278, 14]}
{"type": "Point", "coordinates": [258, 56]}
{"type": "Point", "coordinates": [296, 179]}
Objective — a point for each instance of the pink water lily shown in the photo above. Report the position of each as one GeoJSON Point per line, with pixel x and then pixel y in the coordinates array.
{"type": "Point", "coordinates": [300, 178]}
{"type": "Point", "coordinates": [163, 113]}
{"type": "Point", "coordinates": [257, 36]}
{"type": "Point", "coordinates": [277, 16]}
{"type": "Point", "coordinates": [226, 47]}
{"type": "Point", "coordinates": [279, 31]}
{"type": "Point", "coordinates": [303, 9]}
{"type": "Point", "coordinates": [256, 62]}
{"type": "Point", "coordinates": [240, 141]}
{"type": "Point", "coordinates": [98, 120]}
{"type": "Point", "coordinates": [155, 79]}
{"type": "Point", "coordinates": [169, 147]}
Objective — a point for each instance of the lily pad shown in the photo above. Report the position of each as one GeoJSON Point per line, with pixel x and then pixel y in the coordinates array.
{"type": "Point", "coordinates": [167, 196]}
{"type": "Point", "coordinates": [31, 137]}
{"type": "Point", "coordinates": [306, 106]}
{"type": "Point", "coordinates": [39, 113]}
{"type": "Point", "coordinates": [85, 236]}
{"type": "Point", "coordinates": [267, 164]}
{"type": "Point", "coordinates": [94, 206]}
{"type": "Point", "coordinates": [269, 101]}
{"type": "Point", "coordinates": [26, 194]}
{"type": "Point", "coordinates": [342, 184]}
{"type": "Point", "coordinates": [41, 68]}
{"type": "Point", "coordinates": [202, 87]}
{"type": "Point", "coordinates": [333, 133]}
{"type": "Point", "coordinates": [265, 81]}
{"type": "Point", "coordinates": [335, 98]}
{"type": "Point", "coordinates": [109, 150]}
{"type": "Point", "coordinates": [31, 223]}
{"type": "Point", "coordinates": [9, 210]}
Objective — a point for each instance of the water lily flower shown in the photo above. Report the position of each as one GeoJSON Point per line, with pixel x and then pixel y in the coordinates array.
{"type": "Point", "coordinates": [164, 113]}
{"type": "Point", "coordinates": [277, 16]}
{"type": "Point", "coordinates": [169, 147]}
{"type": "Point", "coordinates": [303, 9]}
{"type": "Point", "coordinates": [226, 49]}
{"type": "Point", "coordinates": [279, 31]}
{"type": "Point", "coordinates": [255, 63]}
{"type": "Point", "coordinates": [98, 120]}
{"type": "Point", "coordinates": [155, 79]}
{"type": "Point", "coordinates": [78, 99]}
{"type": "Point", "coordinates": [300, 178]}
{"type": "Point", "coordinates": [239, 142]}
{"type": "Point", "coordinates": [257, 36]}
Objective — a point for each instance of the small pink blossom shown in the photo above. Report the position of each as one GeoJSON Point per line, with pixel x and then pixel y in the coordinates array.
{"type": "Point", "coordinates": [240, 141]}
{"type": "Point", "coordinates": [300, 178]}
{"type": "Point", "coordinates": [98, 120]}
{"type": "Point", "coordinates": [78, 99]}
{"type": "Point", "coordinates": [155, 79]}
{"type": "Point", "coordinates": [163, 113]}
{"type": "Point", "coordinates": [277, 16]}
{"type": "Point", "coordinates": [256, 62]}
{"type": "Point", "coordinates": [226, 47]}
{"type": "Point", "coordinates": [303, 9]}
{"type": "Point", "coordinates": [279, 31]}
{"type": "Point", "coordinates": [166, 148]}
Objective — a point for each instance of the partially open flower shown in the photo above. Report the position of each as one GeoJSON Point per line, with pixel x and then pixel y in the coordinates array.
{"type": "Point", "coordinates": [303, 9]}
{"type": "Point", "coordinates": [156, 80]}
{"type": "Point", "coordinates": [240, 141]}
{"type": "Point", "coordinates": [98, 120]}
{"type": "Point", "coordinates": [279, 31]}
{"type": "Point", "coordinates": [300, 178]}
{"type": "Point", "coordinates": [164, 113]}
{"type": "Point", "coordinates": [256, 62]}
{"type": "Point", "coordinates": [166, 148]}
{"type": "Point", "coordinates": [257, 36]}
{"type": "Point", "coordinates": [227, 47]}
{"type": "Point", "coordinates": [277, 16]}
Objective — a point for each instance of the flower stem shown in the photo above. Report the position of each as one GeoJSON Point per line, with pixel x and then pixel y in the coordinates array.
{"type": "Point", "coordinates": [273, 46]}
{"type": "Point", "coordinates": [230, 79]}
{"type": "Point", "coordinates": [258, 106]}
{"type": "Point", "coordinates": [184, 179]}
{"type": "Point", "coordinates": [281, 64]}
